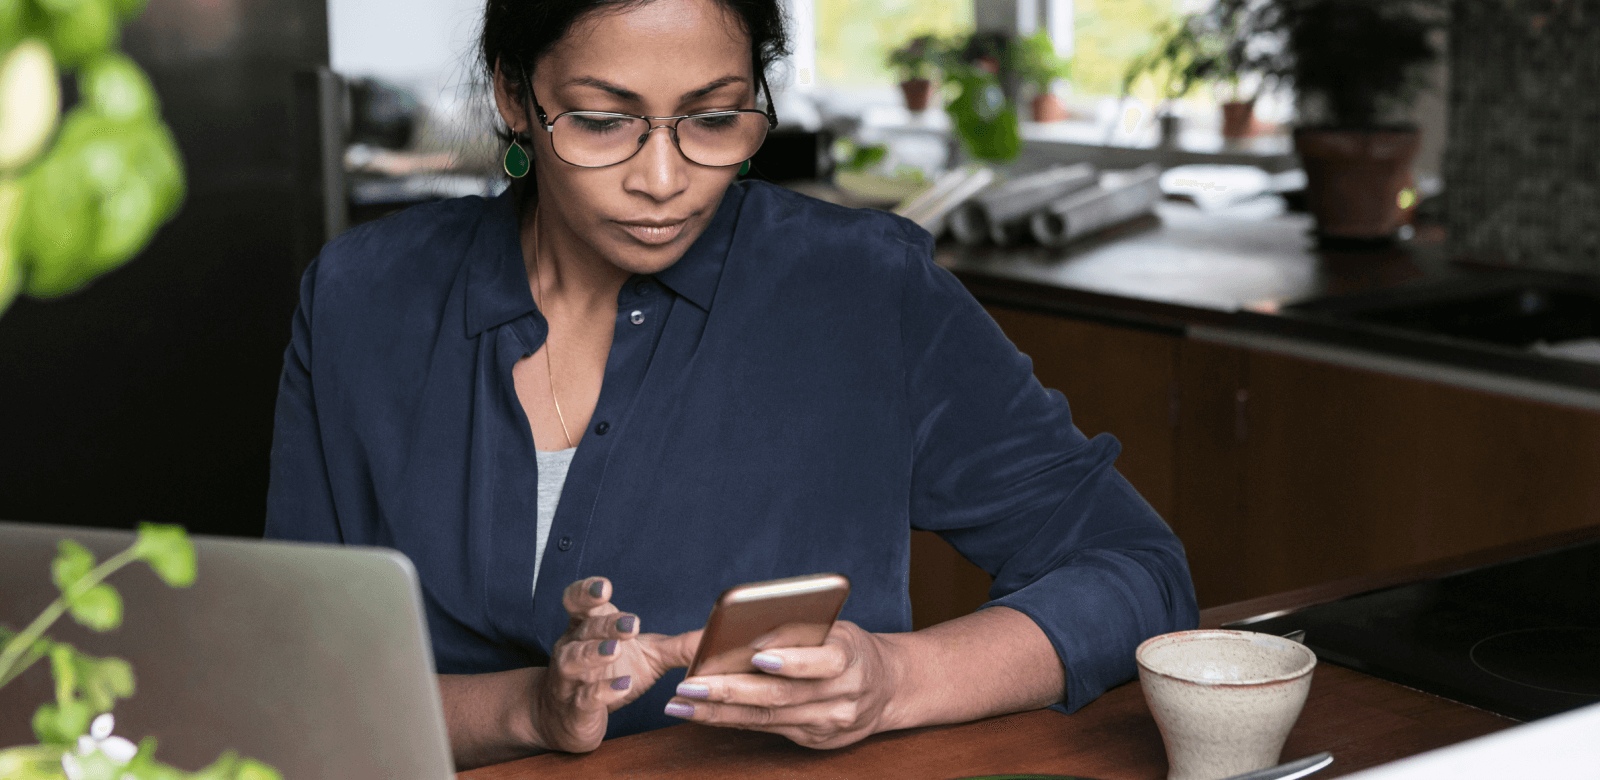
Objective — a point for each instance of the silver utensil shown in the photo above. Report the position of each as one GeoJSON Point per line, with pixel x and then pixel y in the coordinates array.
{"type": "Point", "coordinates": [1289, 771]}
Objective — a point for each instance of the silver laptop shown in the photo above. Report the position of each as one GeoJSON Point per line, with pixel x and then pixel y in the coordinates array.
{"type": "Point", "coordinates": [311, 658]}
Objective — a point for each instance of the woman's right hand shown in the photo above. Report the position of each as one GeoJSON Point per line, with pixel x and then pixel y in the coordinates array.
{"type": "Point", "coordinates": [601, 663]}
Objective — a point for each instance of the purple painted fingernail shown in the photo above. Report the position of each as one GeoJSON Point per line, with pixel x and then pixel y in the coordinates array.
{"type": "Point", "coordinates": [608, 647]}
{"type": "Point", "coordinates": [622, 683]}
{"type": "Point", "coordinates": [626, 623]}
{"type": "Point", "coordinates": [694, 690]}
{"type": "Point", "coordinates": [680, 710]}
{"type": "Point", "coordinates": [597, 588]}
{"type": "Point", "coordinates": [767, 662]}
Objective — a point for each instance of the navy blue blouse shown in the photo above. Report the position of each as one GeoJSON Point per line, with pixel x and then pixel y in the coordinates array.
{"type": "Point", "coordinates": [792, 396]}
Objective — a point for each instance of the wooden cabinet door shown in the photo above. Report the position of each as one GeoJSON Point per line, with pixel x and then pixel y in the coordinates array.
{"type": "Point", "coordinates": [1209, 470]}
{"type": "Point", "coordinates": [1349, 471]}
{"type": "Point", "coordinates": [1118, 381]}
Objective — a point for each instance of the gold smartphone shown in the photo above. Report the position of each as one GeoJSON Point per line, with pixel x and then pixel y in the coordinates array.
{"type": "Point", "coordinates": [791, 612]}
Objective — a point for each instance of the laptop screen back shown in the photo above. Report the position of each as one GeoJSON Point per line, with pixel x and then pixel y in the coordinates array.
{"type": "Point", "coordinates": [311, 658]}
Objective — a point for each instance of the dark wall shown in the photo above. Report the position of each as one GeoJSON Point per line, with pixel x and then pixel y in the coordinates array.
{"type": "Point", "coordinates": [1522, 174]}
{"type": "Point", "coordinates": [149, 395]}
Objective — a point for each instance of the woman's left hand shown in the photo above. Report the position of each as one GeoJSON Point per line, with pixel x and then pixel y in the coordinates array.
{"type": "Point", "coordinates": [820, 697]}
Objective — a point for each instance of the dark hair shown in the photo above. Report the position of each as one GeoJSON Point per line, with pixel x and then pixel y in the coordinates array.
{"type": "Point", "coordinates": [517, 32]}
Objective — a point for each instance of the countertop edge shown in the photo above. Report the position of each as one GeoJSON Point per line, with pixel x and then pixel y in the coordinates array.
{"type": "Point", "coordinates": [1411, 368]}
{"type": "Point", "coordinates": [1544, 380]}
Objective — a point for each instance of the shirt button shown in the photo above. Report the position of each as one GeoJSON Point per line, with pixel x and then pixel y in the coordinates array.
{"type": "Point", "coordinates": [637, 317]}
{"type": "Point", "coordinates": [641, 287]}
{"type": "Point", "coordinates": [600, 430]}
{"type": "Point", "coordinates": [564, 543]}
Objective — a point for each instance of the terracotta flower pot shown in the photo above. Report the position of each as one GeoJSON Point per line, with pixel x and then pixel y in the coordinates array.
{"type": "Point", "coordinates": [916, 92]}
{"type": "Point", "coordinates": [1354, 179]}
{"type": "Point", "coordinates": [1048, 108]}
{"type": "Point", "coordinates": [1236, 116]}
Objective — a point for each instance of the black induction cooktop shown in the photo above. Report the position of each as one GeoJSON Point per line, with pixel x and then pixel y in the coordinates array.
{"type": "Point", "coordinates": [1520, 638]}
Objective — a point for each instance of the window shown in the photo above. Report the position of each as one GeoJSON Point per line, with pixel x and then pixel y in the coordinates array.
{"type": "Point", "coordinates": [1107, 35]}
{"type": "Point", "coordinates": [854, 36]}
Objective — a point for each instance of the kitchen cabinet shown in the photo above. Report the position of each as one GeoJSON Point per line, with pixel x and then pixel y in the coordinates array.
{"type": "Point", "coordinates": [1333, 471]}
{"type": "Point", "coordinates": [1280, 472]}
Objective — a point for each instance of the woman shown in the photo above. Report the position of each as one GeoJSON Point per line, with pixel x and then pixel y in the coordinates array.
{"type": "Point", "coordinates": [633, 381]}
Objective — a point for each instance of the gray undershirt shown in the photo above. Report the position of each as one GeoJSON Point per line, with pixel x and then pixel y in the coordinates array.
{"type": "Point", "coordinates": [552, 475]}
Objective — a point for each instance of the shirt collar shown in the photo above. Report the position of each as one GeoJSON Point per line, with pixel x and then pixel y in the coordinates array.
{"type": "Point", "coordinates": [497, 281]}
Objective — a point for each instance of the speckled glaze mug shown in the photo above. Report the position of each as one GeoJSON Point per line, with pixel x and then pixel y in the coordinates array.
{"type": "Point", "coordinates": [1224, 700]}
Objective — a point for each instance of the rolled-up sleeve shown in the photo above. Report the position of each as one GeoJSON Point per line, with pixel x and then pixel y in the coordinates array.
{"type": "Point", "coordinates": [300, 502]}
{"type": "Point", "coordinates": [1000, 472]}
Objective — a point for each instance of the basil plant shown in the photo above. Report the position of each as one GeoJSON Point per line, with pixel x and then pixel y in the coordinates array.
{"type": "Point", "coordinates": [74, 731]}
{"type": "Point", "coordinates": [81, 190]}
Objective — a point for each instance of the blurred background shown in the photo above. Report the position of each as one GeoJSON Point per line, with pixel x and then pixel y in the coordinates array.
{"type": "Point", "coordinates": [1154, 163]}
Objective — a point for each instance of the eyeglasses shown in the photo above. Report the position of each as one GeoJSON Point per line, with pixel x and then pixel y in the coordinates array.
{"type": "Point", "coordinates": [596, 139]}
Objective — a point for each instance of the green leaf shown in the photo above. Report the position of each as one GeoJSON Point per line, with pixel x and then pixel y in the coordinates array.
{"type": "Point", "coordinates": [127, 9]}
{"type": "Point", "coordinates": [11, 268]}
{"type": "Point", "coordinates": [159, 163]}
{"type": "Point", "coordinates": [251, 769]}
{"type": "Point", "coordinates": [58, 218]}
{"type": "Point", "coordinates": [11, 22]}
{"type": "Point", "coordinates": [221, 769]}
{"type": "Point", "coordinates": [83, 31]}
{"type": "Point", "coordinates": [72, 562]}
{"type": "Point", "coordinates": [114, 87]}
{"type": "Point", "coordinates": [31, 762]}
{"type": "Point", "coordinates": [59, 6]}
{"type": "Point", "coordinates": [64, 671]}
{"type": "Point", "coordinates": [98, 608]}
{"type": "Point", "coordinates": [127, 219]}
{"type": "Point", "coordinates": [168, 551]}
{"type": "Point", "coordinates": [144, 761]}
{"type": "Point", "coordinates": [62, 724]}
{"type": "Point", "coordinates": [103, 681]}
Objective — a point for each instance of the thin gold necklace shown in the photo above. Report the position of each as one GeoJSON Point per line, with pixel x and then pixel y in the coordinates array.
{"type": "Point", "coordinates": [538, 283]}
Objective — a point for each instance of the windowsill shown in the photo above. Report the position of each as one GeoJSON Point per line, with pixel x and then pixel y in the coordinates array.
{"type": "Point", "coordinates": [1105, 142]}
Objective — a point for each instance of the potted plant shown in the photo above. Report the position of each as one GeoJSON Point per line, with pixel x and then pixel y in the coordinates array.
{"type": "Point", "coordinates": [1181, 58]}
{"type": "Point", "coordinates": [984, 111]}
{"type": "Point", "coordinates": [1354, 64]}
{"type": "Point", "coordinates": [1036, 60]}
{"type": "Point", "coordinates": [1229, 50]}
{"type": "Point", "coordinates": [915, 63]}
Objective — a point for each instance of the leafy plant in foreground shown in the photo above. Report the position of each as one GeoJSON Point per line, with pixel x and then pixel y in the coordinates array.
{"type": "Point", "coordinates": [74, 731]}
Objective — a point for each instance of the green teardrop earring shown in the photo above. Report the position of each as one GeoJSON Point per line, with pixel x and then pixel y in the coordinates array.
{"type": "Point", "coordinates": [516, 161]}
{"type": "Point", "coordinates": [744, 170]}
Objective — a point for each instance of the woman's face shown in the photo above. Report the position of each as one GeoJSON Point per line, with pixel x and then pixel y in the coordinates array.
{"type": "Point", "coordinates": [664, 58]}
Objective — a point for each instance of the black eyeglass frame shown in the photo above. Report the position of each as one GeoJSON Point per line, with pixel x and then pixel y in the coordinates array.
{"type": "Point", "coordinates": [549, 124]}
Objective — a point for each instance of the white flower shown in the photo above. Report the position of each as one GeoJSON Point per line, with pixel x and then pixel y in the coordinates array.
{"type": "Point", "coordinates": [119, 750]}
{"type": "Point", "coordinates": [70, 766]}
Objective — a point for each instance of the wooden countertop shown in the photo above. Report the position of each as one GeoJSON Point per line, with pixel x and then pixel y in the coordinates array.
{"type": "Point", "coordinates": [1362, 720]}
{"type": "Point", "coordinates": [1253, 271]}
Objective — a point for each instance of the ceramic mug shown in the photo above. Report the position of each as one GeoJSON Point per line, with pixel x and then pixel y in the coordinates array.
{"type": "Point", "coordinates": [1224, 700]}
